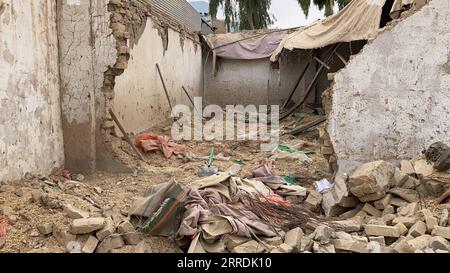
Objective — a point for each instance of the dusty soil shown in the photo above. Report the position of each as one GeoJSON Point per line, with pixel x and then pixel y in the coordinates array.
{"type": "Point", "coordinates": [119, 190]}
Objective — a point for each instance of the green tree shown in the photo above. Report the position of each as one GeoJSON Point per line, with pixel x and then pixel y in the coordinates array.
{"type": "Point", "coordinates": [326, 5]}
{"type": "Point", "coordinates": [243, 14]}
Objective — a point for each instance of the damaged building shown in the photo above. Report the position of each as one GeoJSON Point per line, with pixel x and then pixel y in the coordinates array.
{"type": "Point", "coordinates": [88, 87]}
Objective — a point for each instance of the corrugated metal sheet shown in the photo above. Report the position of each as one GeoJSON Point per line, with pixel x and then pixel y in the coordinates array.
{"type": "Point", "coordinates": [180, 11]}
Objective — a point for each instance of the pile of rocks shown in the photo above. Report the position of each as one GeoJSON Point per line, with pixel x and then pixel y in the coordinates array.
{"type": "Point", "coordinates": [386, 210]}
{"type": "Point", "coordinates": [106, 232]}
{"type": "Point", "coordinates": [381, 209]}
{"type": "Point", "coordinates": [285, 243]}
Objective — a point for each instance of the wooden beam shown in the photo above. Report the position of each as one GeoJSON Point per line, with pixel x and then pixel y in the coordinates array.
{"type": "Point", "coordinates": [311, 86]}
{"type": "Point", "coordinates": [164, 86]}
{"type": "Point", "coordinates": [126, 136]}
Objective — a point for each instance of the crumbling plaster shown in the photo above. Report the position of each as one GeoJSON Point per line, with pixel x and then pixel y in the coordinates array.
{"type": "Point", "coordinates": [140, 101]}
{"type": "Point", "coordinates": [392, 100]}
{"type": "Point", "coordinates": [87, 50]}
{"type": "Point", "coordinates": [30, 119]}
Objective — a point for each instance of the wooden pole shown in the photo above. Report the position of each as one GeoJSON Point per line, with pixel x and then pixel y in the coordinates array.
{"type": "Point", "coordinates": [310, 87]}
{"type": "Point", "coordinates": [164, 86]}
{"type": "Point", "coordinates": [127, 138]}
{"type": "Point", "coordinates": [190, 99]}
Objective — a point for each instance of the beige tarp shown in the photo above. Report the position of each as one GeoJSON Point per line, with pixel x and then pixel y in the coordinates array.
{"type": "Point", "coordinates": [359, 20]}
{"type": "Point", "coordinates": [245, 46]}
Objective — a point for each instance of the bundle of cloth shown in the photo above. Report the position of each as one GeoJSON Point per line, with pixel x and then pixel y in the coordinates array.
{"type": "Point", "coordinates": [210, 208]}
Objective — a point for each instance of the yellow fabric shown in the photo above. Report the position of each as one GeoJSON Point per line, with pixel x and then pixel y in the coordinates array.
{"type": "Point", "coordinates": [359, 20]}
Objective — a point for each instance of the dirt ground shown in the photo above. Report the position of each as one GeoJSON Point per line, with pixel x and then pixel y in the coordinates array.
{"type": "Point", "coordinates": [119, 190]}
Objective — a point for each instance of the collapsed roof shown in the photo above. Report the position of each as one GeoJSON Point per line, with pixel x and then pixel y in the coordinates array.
{"type": "Point", "coordinates": [359, 20]}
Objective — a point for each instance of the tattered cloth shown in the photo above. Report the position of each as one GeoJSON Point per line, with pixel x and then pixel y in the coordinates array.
{"type": "Point", "coordinates": [160, 210]}
{"type": "Point", "coordinates": [245, 46]}
{"type": "Point", "coordinates": [200, 214]}
{"type": "Point", "coordinates": [220, 195]}
{"type": "Point", "coordinates": [219, 205]}
{"type": "Point", "coordinates": [359, 20]}
{"type": "Point", "coordinates": [152, 143]}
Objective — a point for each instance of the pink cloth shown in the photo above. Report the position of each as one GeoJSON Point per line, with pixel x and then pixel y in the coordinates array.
{"type": "Point", "coordinates": [259, 47]}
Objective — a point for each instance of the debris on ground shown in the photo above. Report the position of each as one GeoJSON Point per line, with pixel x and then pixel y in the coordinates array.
{"type": "Point", "coordinates": [269, 204]}
{"type": "Point", "coordinates": [208, 169]}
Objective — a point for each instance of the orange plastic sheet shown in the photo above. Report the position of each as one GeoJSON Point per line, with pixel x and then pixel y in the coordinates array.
{"type": "Point", "coordinates": [151, 143]}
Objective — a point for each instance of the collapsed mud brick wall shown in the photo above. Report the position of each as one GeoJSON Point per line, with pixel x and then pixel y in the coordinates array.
{"type": "Point", "coordinates": [96, 40]}
{"type": "Point", "coordinates": [152, 38]}
{"type": "Point", "coordinates": [31, 139]}
{"type": "Point", "coordinates": [391, 101]}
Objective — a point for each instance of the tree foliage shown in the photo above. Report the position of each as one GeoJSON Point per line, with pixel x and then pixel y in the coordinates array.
{"type": "Point", "coordinates": [254, 14]}
{"type": "Point", "coordinates": [243, 14]}
{"type": "Point", "coordinates": [326, 5]}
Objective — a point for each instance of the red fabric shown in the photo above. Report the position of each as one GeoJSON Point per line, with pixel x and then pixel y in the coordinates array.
{"type": "Point", "coordinates": [150, 143]}
{"type": "Point", "coordinates": [66, 174]}
{"type": "Point", "coordinates": [3, 225]}
{"type": "Point", "coordinates": [275, 198]}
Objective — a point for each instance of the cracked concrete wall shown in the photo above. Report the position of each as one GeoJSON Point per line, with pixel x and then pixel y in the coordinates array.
{"type": "Point", "coordinates": [87, 50]}
{"type": "Point", "coordinates": [392, 100]}
{"type": "Point", "coordinates": [140, 101]}
{"type": "Point", "coordinates": [31, 139]}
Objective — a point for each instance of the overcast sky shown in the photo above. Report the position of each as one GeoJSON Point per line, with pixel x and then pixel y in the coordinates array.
{"type": "Point", "coordinates": [289, 14]}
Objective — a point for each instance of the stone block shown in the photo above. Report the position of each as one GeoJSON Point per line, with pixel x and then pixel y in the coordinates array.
{"type": "Point", "coordinates": [293, 238]}
{"type": "Point", "coordinates": [379, 230]}
{"type": "Point", "coordinates": [107, 230]}
{"type": "Point", "coordinates": [439, 242]}
{"type": "Point", "coordinates": [441, 231]}
{"type": "Point", "coordinates": [87, 225]}
{"type": "Point", "coordinates": [408, 195]}
{"type": "Point", "coordinates": [349, 225]}
{"type": "Point", "coordinates": [90, 245]}
{"type": "Point", "coordinates": [371, 210]}
{"type": "Point", "coordinates": [350, 246]}
{"type": "Point", "coordinates": [371, 181]}
{"type": "Point", "coordinates": [383, 203]}
{"type": "Point", "coordinates": [418, 229]}
{"type": "Point", "coordinates": [45, 229]}
{"type": "Point", "coordinates": [248, 248]}
{"type": "Point", "coordinates": [74, 213]}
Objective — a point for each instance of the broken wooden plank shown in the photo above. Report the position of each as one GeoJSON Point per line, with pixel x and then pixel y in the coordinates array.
{"type": "Point", "coordinates": [296, 85]}
{"type": "Point", "coordinates": [308, 126]}
{"type": "Point", "coordinates": [126, 136]}
{"type": "Point", "coordinates": [443, 197]}
{"type": "Point", "coordinates": [310, 87]}
{"type": "Point", "coordinates": [322, 63]}
{"type": "Point", "coordinates": [342, 58]}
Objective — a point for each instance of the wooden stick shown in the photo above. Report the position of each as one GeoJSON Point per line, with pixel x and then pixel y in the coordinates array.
{"type": "Point", "coordinates": [164, 86]}
{"type": "Point", "coordinates": [127, 138]}
{"type": "Point", "coordinates": [296, 86]}
{"type": "Point", "coordinates": [443, 197]}
{"type": "Point", "coordinates": [341, 58]}
{"type": "Point", "coordinates": [322, 63]}
{"type": "Point", "coordinates": [310, 125]}
{"type": "Point", "coordinates": [311, 85]}
{"type": "Point", "coordinates": [190, 99]}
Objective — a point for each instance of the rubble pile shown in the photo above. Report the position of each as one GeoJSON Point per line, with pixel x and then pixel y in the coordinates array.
{"type": "Point", "coordinates": [102, 231]}
{"type": "Point", "coordinates": [380, 207]}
